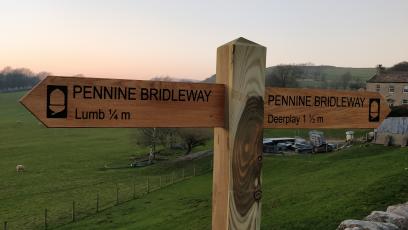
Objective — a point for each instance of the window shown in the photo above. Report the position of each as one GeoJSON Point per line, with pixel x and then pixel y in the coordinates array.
{"type": "Point", "coordinates": [378, 87]}
{"type": "Point", "coordinates": [405, 89]}
{"type": "Point", "coordinates": [404, 101]}
{"type": "Point", "coordinates": [391, 89]}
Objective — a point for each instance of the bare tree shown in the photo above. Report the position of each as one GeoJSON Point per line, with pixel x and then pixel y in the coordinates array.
{"type": "Point", "coordinates": [194, 137]}
{"type": "Point", "coordinates": [152, 137]}
{"type": "Point", "coordinates": [380, 69]}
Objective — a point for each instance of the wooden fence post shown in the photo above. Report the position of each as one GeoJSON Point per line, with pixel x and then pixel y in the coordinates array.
{"type": "Point", "coordinates": [134, 189]}
{"type": "Point", "coordinates": [45, 219]}
{"type": "Point", "coordinates": [5, 225]}
{"type": "Point", "coordinates": [97, 202]}
{"type": "Point", "coordinates": [148, 185]}
{"type": "Point", "coordinates": [73, 211]}
{"type": "Point", "coordinates": [117, 194]}
{"type": "Point", "coordinates": [238, 145]}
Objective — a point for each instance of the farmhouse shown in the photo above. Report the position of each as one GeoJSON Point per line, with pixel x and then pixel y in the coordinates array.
{"type": "Point", "coordinates": [392, 84]}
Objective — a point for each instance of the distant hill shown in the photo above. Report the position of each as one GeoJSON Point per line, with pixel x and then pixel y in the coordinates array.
{"type": "Point", "coordinates": [312, 74]}
{"type": "Point", "coordinates": [172, 79]}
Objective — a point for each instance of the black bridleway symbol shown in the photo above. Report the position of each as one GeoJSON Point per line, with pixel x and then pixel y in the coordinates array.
{"type": "Point", "coordinates": [374, 110]}
{"type": "Point", "coordinates": [57, 101]}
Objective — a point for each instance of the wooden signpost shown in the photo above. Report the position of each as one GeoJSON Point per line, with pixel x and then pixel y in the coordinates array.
{"type": "Point", "coordinates": [238, 107]}
{"type": "Point", "coordinates": [320, 108]}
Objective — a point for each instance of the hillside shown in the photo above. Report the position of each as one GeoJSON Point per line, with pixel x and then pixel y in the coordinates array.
{"type": "Point", "coordinates": [299, 192]}
{"type": "Point", "coordinates": [329, 72]}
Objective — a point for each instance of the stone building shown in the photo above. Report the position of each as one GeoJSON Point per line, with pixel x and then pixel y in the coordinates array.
{"type": "Point", "coordinates": [393, 85]}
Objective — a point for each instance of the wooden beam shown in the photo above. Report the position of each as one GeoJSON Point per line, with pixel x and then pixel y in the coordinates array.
{"type": "Point", "coordinates": [238, 145]}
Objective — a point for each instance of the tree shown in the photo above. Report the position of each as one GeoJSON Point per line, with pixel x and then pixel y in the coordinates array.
{"type": "Point", "coordinates": [401, 67]}
{"type": "Point", "coordinates": [152, 137]}
{"type": "Point", "coordinates": [18, 79]}
{"type": "Point", "coordinates": [345, 80]}
{"type": "Point", "coordinates": [380, 69]}
{"type": "Point", "coordinates": [194, 137]}
{"type": "Point", "coordinates": [356, 84]}
{"type": "Point", "coordinates": [284, 75]}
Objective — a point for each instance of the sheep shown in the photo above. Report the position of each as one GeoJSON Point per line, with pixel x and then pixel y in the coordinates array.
{"type": "Point", "coordinates": [20, 168]}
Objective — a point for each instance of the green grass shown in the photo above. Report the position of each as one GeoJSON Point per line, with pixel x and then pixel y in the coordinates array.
{"type": "Point", "coordinates": [62, 165]}
{"type": "Point", "coordinates": [299, 192]}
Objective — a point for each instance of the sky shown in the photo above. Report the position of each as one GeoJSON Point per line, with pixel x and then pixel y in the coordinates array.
{"type": "Point", "coordinates": [143, 39]}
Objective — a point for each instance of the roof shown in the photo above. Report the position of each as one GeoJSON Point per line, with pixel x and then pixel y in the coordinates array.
{"type": "Point", "coordinates": [396, 125]}
{"type": "Point", "coordinates": [390, 77]}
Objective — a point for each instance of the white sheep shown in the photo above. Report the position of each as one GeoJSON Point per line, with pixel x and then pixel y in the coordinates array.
{"type": "Point", "coordinates": [20, 168]}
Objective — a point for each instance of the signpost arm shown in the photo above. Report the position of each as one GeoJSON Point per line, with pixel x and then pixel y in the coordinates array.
{"type": "Point", "coordinates": [238, 145]}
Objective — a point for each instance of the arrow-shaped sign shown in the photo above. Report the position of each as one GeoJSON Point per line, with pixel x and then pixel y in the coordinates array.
{"type": "Point", "coordinates": [97, 102]}
{"type": "Point", "coordinates": [321, 108]}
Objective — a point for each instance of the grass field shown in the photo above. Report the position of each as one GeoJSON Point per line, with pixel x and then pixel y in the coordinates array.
{"type": "Point", "coordinates": [299, 192]}
{"type": "Point", "coordinates": [62, 165]}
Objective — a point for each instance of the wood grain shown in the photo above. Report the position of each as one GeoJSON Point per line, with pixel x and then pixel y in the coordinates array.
{"type": "Point", "coordinates": [238, 146]}
{"type": "Point", "coordinates": [325, 108]}
{"type": "Point", "coordinates": [131, 110]}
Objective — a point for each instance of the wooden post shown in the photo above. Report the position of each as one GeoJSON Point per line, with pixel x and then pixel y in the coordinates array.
{"type": "Point", "coordinates": [45, 219]}
{"type": "Point", "coordinates": [73, 211]}
{"type": "Point", "coordinates": [238, 146]}
{"type": "Point", "coordinates": [97, 202]}
{"type": "Point", "coordinates": [148, 185]}
{"type": "Point", "coordinates": [5, 225]}
{"type": "Point", "coordinates": [117, 194]}
{"type": "Point", "coordinates": [134, 189]}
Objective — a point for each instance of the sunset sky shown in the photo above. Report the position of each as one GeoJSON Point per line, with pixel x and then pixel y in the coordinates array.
{"type": "Point", "coordinates": [143, 39]}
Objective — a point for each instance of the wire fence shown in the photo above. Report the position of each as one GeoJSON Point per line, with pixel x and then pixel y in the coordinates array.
{"type": "Point", "coordinates": [106, 195]}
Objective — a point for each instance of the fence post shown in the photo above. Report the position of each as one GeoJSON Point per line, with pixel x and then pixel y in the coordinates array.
{"type": "Point", "coordinates": [117, 194]}
{"type": "Point", "coordinates": [73, 211]}
{"type": "Point", "coordinates": [148, 185]}
{"type": "Point", "coordinates": [5, 225]}
{"type": "Point", "coordinates": [45, 219]}
{"type": "Point", "coordinates": [194, 171]}
{"type": "Point", "coordinates": [134, 189]}
{"type": "Point", "coordinates": [97, 202]}
{"type": "Point", "coordinates": [182, 175]}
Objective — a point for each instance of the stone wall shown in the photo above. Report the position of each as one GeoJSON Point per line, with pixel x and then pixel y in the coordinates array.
{"type": "Point", "coordinates": [394, 218]}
